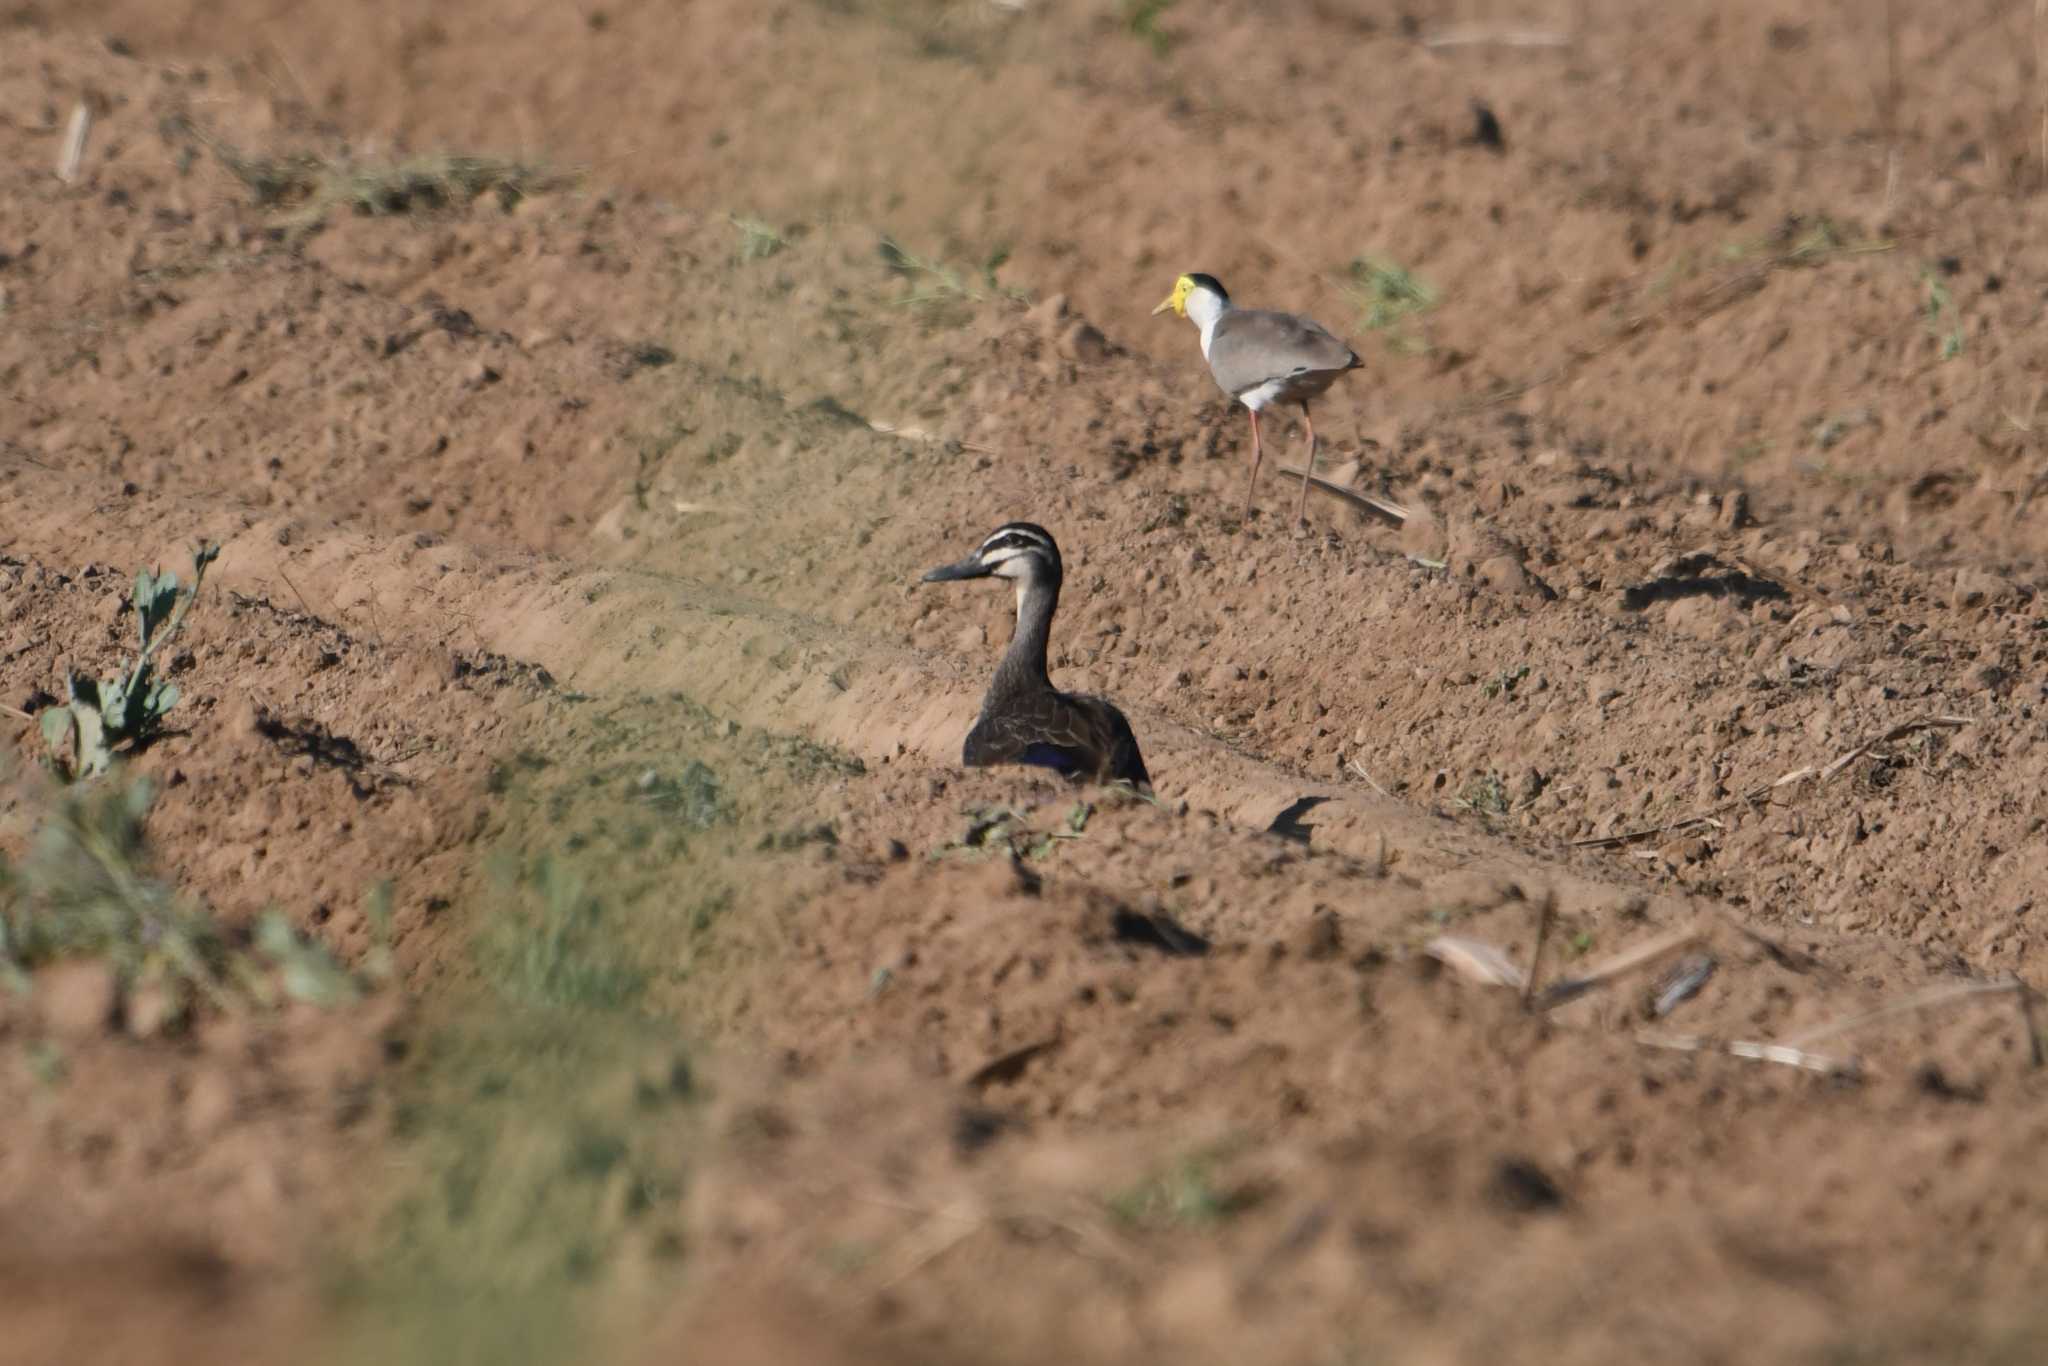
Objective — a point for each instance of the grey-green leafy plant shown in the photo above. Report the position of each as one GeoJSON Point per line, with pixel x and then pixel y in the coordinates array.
{"type": "Point", "coordinates": [758, 240]}
{"type": "Point", "coordinates": [1141, 18]}
{"type": "Point", "coordinates": [127, 708]}
{"type": "Point", "coordinates": [1942, 318]}
{"type": "Point", "coordinates": [1184, 1194]}
{"type": "Point", "coordinates": [1506, 681]}
{"type": "Point", "coordinates": [937, 285]}
{"type": "Point", "coordinates": [1486, 794]}
{"type": "Point", "coordinates": [86, 890]}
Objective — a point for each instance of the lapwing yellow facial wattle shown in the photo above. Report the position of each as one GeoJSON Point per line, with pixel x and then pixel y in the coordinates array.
{"type": "Point", "coordinates": [1024, 719]}
{"type": "Point", "coordinates": [1259, 357]}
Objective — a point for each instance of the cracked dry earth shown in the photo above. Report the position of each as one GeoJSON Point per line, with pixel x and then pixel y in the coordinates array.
{"type": "Point", "coordinates": [589, 526]}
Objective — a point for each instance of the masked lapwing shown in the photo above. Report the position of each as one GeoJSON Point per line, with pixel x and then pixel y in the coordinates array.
{"type": "Point", "coordinates": [1260, 357]}
{"type": "Point", "coordinates": [1024, 718]}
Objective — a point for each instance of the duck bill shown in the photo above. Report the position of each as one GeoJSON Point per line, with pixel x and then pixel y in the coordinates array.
{"type": "Point", "coordinates": [1164, 304]}
{"type": "Point", "coordinates": [969, 568]}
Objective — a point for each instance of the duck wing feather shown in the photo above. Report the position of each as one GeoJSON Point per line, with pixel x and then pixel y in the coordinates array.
{"type": "Point", "coordinates": [1075, 735]}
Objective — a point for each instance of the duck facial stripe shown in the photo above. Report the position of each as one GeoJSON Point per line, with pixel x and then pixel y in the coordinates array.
{"type": "Point", "coordinates": [1005, 560]}
{"type": "Point", "coordinates": [1017, 540]}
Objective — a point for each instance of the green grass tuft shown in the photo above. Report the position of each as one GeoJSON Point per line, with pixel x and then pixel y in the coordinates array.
{"type": "Point", "coordinates": [422, 184]}
{"type": "Point", "coordinates": [1388, 297]}
{"type": "Point", "coordinates": [552, 948]}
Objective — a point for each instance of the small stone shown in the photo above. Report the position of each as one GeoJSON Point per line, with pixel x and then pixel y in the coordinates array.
{"type": "Point", "coordinates": [1224, 676]}
{"type": "Point", "coordinates": [77, 998]}
{"type": "Point", "coordinates": [1734, 511]}
{"type": "Point", "coordinates": [1989, 678]}
{"type": "Point", "coordinates": [1321, 938]}
{"type": "Point", "coordinates": [1085, 343]}
{"type": "Point", "coordinates": [152, 1010]}
{"type": "Point", "coordinates": [1507, 574]}
{"type": "Point", "coordinates": [1049, 314]}
{"type": "Point", "coordinates": [210, 1102]}
{"type": "Point", "coordinates": [1975, 588]}
{"type": "Point", "coordinates": [1522, 1187]}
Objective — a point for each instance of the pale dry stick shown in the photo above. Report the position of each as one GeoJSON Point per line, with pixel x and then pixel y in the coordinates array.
{"type": "Point", "coordinates": [16, 712]}
{"type": "Point", "coordinates": [924, 437]}
{"type": "Point", "coordinates": [1791, 959]}
{"type": "Point", "coordinates": [1087, 1233]}
{"type": "Point", "coordinates": [1546, 911]}
{"type": "Point", "coordinates": [1359, 769]}
{"type": "Point", "coordinates": [297, 594]}
{"type": "Point", "coordinates": [1627, 961]}
{"type": "Point", "coordinates": [370, 601]}
{"type": "Point", "coordinates": [1385, 509]}
{"type": "Point", "coordinates": [1477, 961]}
{"type": "Point", "coordinates": [1763, 791]}
{"type": "Point", "coordinates": [936, 1244]}
{"type": "Point", "coordinates": [1758, 1052]}
{"type": "Point", "coordinates": [1925, 1000]}
{"type": "Point", "coordinates": [1092, 1237]}
{"type": "Point", "coordinates": [2041, 78]}
{"type": "Point", "coordinates": [2028, 425]}
{"type": "Point", "coordinates": [72, 155]}
{"type": "Point", "coordinates": [292, 73]}
{"type": "Point", "coordinates": [1494, 35]}
{"type": "Point", "coordinates": [1891, 104]}
{"type": "Point", "coordinates": [1898, 732]}
{"type": "Point", "coordinates": [2025, 1001]}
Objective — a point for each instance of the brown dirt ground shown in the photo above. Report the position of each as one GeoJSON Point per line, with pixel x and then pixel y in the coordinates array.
{"type": "Point", "coordinates": [533, 511]}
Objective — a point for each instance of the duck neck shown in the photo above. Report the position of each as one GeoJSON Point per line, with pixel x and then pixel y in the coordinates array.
{"type": "Point", "coordinates": [1023, 665]}
{"type": "Point", "coordinates": [1204, 310]}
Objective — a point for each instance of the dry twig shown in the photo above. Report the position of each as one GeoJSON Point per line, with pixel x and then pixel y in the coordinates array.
{"type": "Point", "coordinates": [1546, 911]}
{"type": "Point", "coordinates": [923, 437]}
{"type": "Point", "coordinates": [2041, 77]}
{"type": "Point", "coordinates": [1494, 35]}
{"type": "Point", "coordinates": [1623, 963]}
{"type": "Point", "coordinates": [71, 157]}
{"type": "Point", "coordinates": [1762, 792]}
{"type": "Point", "coordinates": [1388, 511]}
{"type": "Point", "coordinates": [1758, 1052]}
{"type": "Point", "coordinates": [1359, 769]}
{"type": "Point", "coordinates": [1476, 960]}
{"type": "Point", "coordinates": [1925, 1000]}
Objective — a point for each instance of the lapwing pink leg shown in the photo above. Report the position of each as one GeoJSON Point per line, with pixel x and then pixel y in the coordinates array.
{"type": "Point", "coordinates": [1301, 508]}
{"type": "Point", "coordinates": [1257, 455]}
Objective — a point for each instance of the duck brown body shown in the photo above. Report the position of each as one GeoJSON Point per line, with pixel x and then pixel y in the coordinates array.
{"type": "Point", "coordinates": [1024, 718]}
